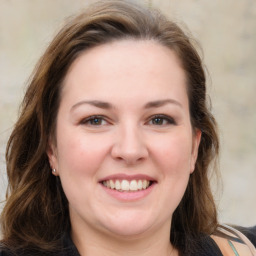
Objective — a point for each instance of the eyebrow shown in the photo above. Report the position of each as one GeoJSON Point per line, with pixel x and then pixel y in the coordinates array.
{"type": "Point", "coordinates": [160, 103]}
{"type": "Point", "coordinates": [96, 103]}
{"type": "Point", "coordinates": [106, 105]}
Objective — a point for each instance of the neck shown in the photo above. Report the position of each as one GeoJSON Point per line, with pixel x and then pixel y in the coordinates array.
{"type": "Point", "coordinates": [96, 243]}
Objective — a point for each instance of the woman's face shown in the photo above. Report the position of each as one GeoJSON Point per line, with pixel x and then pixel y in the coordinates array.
{"type": "Point", "coordinates": [125, 146]}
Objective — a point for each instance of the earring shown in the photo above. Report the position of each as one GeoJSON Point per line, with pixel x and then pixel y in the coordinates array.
{"type": "Point", "coordinates": [53, 171]}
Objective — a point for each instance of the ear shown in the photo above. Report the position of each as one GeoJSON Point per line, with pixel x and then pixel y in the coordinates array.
{"type": "Point", "coordinates": [52, 156]}
{"type": "Point", "coordinates": [196, 142]}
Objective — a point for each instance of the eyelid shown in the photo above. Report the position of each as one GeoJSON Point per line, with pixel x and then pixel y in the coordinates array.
{"type": "Point", "coordinates": [170, 120]}
{"type": "Point", "coordinates": [85, 121]}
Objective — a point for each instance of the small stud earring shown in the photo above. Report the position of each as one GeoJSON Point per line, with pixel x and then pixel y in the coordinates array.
{"type": "Point", "coordinates": [54, 171]}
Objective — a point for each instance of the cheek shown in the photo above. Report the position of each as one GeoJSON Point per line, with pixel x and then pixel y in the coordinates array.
{"type": "Point", "coordinates": [79, 154]}
{"type": "Point", "coordinates": [79, 160]}
{"type": "Point", "coordinates": [174, 153]}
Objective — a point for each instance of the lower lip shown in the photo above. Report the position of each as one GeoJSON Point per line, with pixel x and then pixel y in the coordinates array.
{"type": "Point", "coordinates": [129, 195]}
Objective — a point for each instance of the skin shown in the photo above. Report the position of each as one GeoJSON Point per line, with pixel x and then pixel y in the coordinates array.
{"type": "Point", "coordinates": [226, 249]}
{"type": "Point", "coordinates": [138, 80]}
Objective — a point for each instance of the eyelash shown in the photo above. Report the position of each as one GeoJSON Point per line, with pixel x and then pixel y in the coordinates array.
{"type": "Point", "coordinates": [162, 119]}
{"type": "Point", "coordinates": [90, 119]}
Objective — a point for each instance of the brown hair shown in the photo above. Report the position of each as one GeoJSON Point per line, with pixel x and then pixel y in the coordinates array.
{"type": "Point", "coordinates": [36, 210]}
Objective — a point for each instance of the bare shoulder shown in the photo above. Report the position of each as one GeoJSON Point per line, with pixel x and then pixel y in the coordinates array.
{"type": "Point", "coordinates": [226, 247]}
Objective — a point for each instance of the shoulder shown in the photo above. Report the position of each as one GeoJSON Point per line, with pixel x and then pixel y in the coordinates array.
{"type": "Point", "coordinates": [235, 241]}
{"type": "Point", "coordinates": [201, 245]}
{"type": "Point", "coordinates": [65, 248]}
{"type": "Point", "coordinates": [228, 247]}
{"type": "Point", "coordinates": [250, 233]}
{"type": "Point", "coordinates": [5, 252]}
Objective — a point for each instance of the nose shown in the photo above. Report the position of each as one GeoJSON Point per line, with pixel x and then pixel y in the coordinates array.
{"type": "Point", "coordinates": [129, 145]}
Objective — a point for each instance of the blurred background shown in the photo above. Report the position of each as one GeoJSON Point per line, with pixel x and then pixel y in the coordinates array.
{"type": "Point", "coordinates": [226, 31]}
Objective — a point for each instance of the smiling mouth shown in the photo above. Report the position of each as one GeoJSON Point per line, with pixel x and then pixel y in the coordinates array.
{"type": "Point", "coordinates": [126, 185]}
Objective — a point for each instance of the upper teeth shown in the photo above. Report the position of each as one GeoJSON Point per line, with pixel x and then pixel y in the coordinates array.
{"type": "Point", "coordinates": [125, 185]}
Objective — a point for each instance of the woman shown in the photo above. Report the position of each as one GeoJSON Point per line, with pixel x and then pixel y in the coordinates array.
{"type": "Point", "coordinates": [111, 152]}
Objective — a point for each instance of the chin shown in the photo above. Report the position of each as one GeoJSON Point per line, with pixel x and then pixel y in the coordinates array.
{"type": "Point", "coordinates": [129, 227]}
{"type": "Point", "coordinates": [128, 232]}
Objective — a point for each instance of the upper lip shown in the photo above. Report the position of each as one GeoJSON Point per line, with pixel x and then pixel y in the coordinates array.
{"type": "Point", "coordinates": [123, 176]}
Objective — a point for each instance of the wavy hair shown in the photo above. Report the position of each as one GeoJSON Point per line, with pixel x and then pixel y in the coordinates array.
{"type": "Point", "coordinates": [36, 210]}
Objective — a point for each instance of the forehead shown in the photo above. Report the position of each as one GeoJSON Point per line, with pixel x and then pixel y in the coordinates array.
{"type": "Point", "coordinates": [142, 67]}
{"type": "Point", "coordinates": [147, 51]}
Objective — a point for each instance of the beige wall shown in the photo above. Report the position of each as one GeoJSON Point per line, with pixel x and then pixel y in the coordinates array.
{"type": "Point", "coordinates": [227, 33]}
